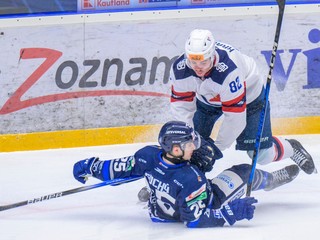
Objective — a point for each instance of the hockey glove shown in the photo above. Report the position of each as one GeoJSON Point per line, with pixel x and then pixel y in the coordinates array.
{"type": "Point", "coordinates": [238, 209]}
{"type": "Point", "coordinates": [205, 157]}
{"type": "Point", "coordinates": [88, 167]}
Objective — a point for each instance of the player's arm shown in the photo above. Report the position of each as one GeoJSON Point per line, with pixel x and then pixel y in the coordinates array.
{"type": "Point", "coordinates": [103, 169]}
{"type": "Point", "coordinates": [197, 213]}
{"type": "Point", "coordinates": [111, 169]}
{"type": "Point", "coordinates": [194, 201]}
{"type": "Point", "coordinates": [230, 213]}
{"type": "Point", "coordinates": [233, 99]}
{"type": "Point", "coordinates": [206, 155]}
{"type": "Point", "coordinates": [183, 99]}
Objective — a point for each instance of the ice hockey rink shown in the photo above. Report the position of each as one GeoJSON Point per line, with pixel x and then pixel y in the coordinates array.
{"type": "Point", "coordinates": [291, 212]}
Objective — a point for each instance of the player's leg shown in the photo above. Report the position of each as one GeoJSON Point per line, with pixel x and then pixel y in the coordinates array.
{"type": "Point", "coordinates": [286, 148]}
{"type": "Point", "coordinates": [302, 157]}
{"type": "Point", "coordinates": [231, 183]}
{"type": "Point", "coordinates": [204, 119]}
{"type": "Point", "coordinates": [272, 148]}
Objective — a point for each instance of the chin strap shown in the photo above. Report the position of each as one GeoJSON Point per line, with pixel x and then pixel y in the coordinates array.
{"type": "Point", "coordinates": [175, 160]}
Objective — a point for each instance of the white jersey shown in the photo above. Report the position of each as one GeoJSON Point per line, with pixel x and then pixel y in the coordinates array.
{"type": "Point", "coordinates": [233, 82]}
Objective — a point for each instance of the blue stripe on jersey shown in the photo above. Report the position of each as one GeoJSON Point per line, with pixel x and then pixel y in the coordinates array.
{"type": "Point", "coordinates": [223, 68]}
{"type": "Point", "coordinates": [219, 73]}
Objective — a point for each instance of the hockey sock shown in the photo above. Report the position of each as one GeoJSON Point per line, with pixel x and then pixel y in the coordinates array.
{"type": "Point", "coordinates": [283, 148]}
{"type": "Point", "coordinates": [261, 180]}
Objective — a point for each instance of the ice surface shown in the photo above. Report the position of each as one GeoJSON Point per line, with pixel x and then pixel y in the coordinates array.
{"type": "Point", "coordinates": [291, 212]}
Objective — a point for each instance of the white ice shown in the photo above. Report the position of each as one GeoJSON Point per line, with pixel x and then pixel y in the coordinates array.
{"type": "Point", "coordinates": [291, 212]}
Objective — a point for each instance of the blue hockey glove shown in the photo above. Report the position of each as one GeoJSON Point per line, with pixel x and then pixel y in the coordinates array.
{"type": "Point", "coordinates": [88, 167]}
{"type": "Point", "coordinates": [239, 209]}
{"type": "Point", "coordinates": [205, 157]}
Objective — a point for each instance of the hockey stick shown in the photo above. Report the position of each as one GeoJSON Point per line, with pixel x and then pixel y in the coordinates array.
{"type": "Point", "coordinates": [113, 182]}
{"type": "Point", "coordinates": [281, 5]}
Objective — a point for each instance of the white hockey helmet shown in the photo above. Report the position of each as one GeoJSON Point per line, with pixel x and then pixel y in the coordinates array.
{"type": "Point", "coordinates": [200, 45]}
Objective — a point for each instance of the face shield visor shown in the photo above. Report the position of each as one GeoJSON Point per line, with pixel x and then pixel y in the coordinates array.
{"type": "Point", "coordinates": [194, 142]}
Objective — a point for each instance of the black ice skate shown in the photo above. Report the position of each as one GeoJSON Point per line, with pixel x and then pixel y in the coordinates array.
{"type": "Point", "coordinates": [282, 176]}
{"type": "Point", "coordinates": [301, 157]}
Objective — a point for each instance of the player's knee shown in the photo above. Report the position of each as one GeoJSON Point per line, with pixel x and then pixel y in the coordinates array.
{"type": "Point", "coordinates": [265, 156]}
{"type": "Point", "coordinates": [232, 180]}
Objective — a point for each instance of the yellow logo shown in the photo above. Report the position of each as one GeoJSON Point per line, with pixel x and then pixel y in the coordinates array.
{"type": "Point", "coordinates": [196, 57]}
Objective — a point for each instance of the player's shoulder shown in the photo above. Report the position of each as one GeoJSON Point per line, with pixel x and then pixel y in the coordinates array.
{"type": "Point", "coordinates": [148, 154]}
{"type": "Point", "coordinates": [180, 68]}
{"type": "Point", "coordinates": [149, 150]}
{"type": "Point", "coordinates": [227, 57]}
{"type": "Point", "coordinates": [226, 63]}
{"type": "Point", "coordinates": [225, 47]}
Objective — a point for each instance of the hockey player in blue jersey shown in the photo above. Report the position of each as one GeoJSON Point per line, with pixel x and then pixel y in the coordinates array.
{"type": "Point", "coordinates": [179, 191]}
{"type": "Point", "coordinates": [213, 79]}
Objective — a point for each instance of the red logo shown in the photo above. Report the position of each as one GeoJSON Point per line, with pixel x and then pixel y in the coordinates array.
{"type": "Point", "coordinates": [50, 56]}
{"type": "Point", "coordinates": [198, 1]}
{"type": "Point", "coordinates": [88, 4]}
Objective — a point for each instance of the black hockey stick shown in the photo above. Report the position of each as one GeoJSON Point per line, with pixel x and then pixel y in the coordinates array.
{"type": "Point", "coordinates": [113, 182]}
{"type": "Point", "coordinates": [281, 5]}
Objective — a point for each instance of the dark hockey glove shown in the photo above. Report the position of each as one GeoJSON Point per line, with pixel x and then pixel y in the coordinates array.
{"type": "Point", "coordinates": [88, 167]}
{"type": "Point", "coordinates": [238, 209]}
{"type": "Point", "coordinates": [205, 157]}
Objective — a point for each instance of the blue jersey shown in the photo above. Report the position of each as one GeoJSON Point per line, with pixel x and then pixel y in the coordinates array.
{"type": "Point", "coordinates": [179, 193]}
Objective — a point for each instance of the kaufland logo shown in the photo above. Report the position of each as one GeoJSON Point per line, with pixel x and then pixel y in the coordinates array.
{"type": "Point", "coordinates": [94, 4]}
{"type": "Point", "coordinates": [198, 1]}
{"type": "Point", "coordinates": [113, 3]}
{"type": "Point", "coordinates": [88, 4]}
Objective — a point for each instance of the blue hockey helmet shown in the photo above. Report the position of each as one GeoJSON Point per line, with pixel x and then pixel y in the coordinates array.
{"type": "Point", "coordinates": [177, 133]}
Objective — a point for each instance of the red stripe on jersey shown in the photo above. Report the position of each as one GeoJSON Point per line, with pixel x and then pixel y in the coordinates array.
{"type": "Point", "coordinates": [236, 105]}
{"type": "Point", "coordinates": [182, 96]}
{"type": "Point", "coordinates": [215, 99]}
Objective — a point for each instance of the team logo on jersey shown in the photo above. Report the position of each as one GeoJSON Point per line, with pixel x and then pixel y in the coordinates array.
{"type": "Point", "coordinates": [221, 67]}
{"type": "Point", "coordinates": [181, 65]}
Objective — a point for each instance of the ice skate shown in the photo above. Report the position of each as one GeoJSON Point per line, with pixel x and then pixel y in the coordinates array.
{"type": "Point", "coordinates": [282, 176]}
{"type": "Point", "coordinates": [301, 157]}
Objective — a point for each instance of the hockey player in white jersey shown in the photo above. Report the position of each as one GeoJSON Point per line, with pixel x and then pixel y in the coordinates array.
{"type": "Point", "coordinates": [213, 79]}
